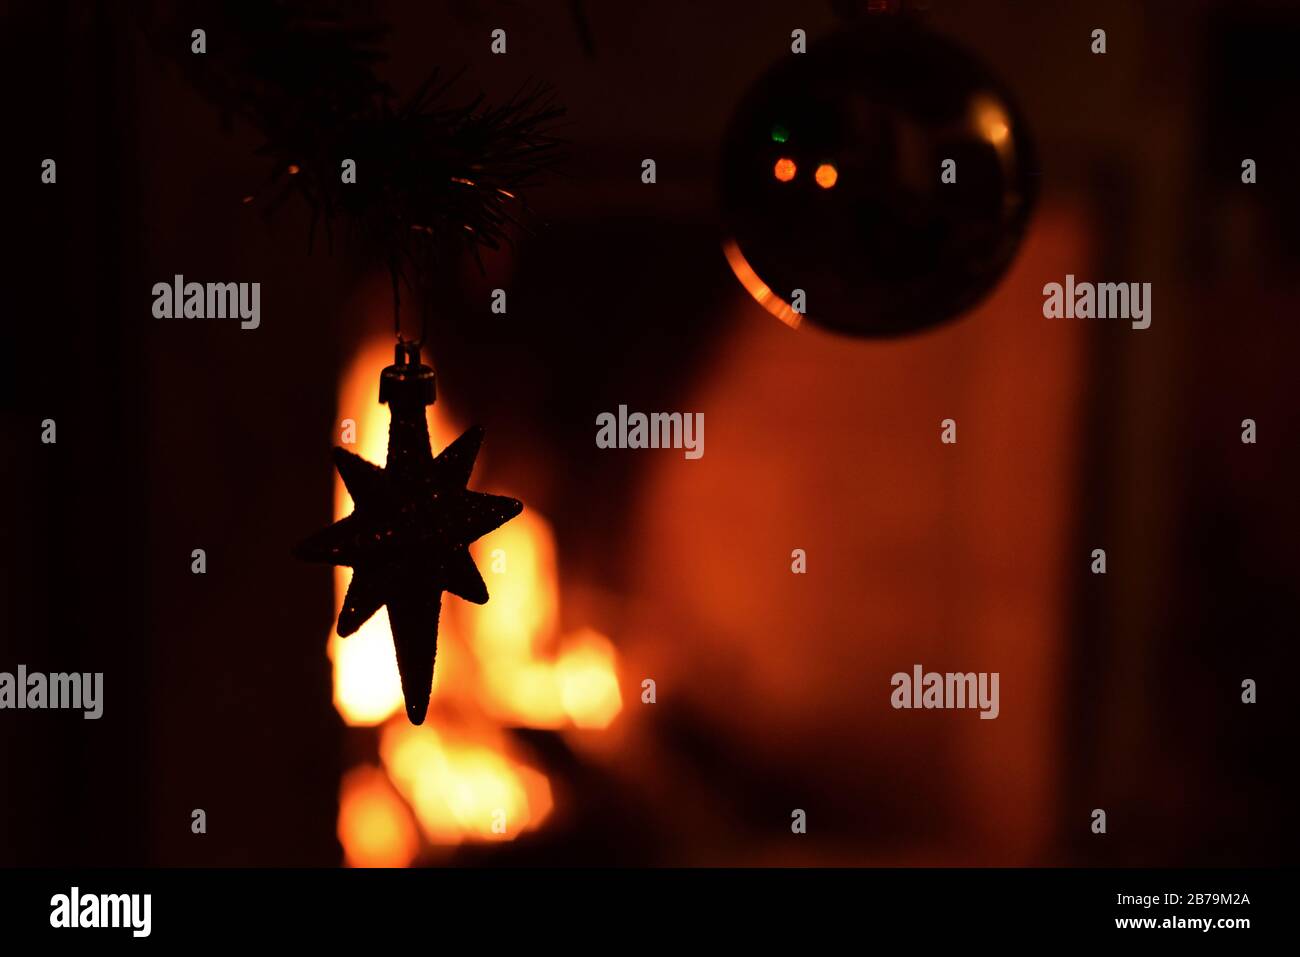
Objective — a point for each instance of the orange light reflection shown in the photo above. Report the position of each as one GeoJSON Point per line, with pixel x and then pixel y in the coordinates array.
{"type": "Point", "coordinates": [760, 290]}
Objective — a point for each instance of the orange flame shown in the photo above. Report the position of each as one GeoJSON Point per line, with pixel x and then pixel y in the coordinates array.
{"type": "Point", "coordinates": [375, 827]}
{"type": "Point", "coordinates": [587, 680]}
{"type": "Point", "coordinates": [463, 786]}
{"type": "Point", "coordinates": [523, 680]}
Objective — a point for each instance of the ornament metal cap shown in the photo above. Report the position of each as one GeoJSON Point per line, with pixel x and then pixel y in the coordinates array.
{"type": "Point", "coordinates": [407, 382]}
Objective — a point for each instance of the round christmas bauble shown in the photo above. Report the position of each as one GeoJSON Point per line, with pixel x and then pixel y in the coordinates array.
{"type": "Point", "coordinates": [876, 185]}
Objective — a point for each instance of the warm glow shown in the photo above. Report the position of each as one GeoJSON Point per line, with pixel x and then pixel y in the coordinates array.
{"type": "Point", "coordinates": [509, 631]}
{"type": "Point", "coordinates": [294, 170]}
{"type": "Point", "coordinates": [463, 786]}
{"type": "Point", "coordinates": [367, 688]}
{"type": "Point", "coordinates": [525, 679]}
{"type": "Point", "coordinates": [587, 680]}
{"type": "Point", "coordinates": [518, 563]}
{"type": "Point", "coordinates": [784, 169]}
{"type": "Point", "coordinates": [375, 827]}
{"type": "Point", "coordinates": [366, 685]}
{"type": "Point", "coordinates": [760, 290]}
{"type": "Point", "coordinates": [826, 176]}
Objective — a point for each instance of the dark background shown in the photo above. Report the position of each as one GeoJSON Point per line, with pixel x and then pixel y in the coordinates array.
{"type": "Point", "coordinates": [176, 436]}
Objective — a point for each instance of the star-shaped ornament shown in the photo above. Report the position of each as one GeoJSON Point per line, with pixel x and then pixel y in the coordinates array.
{"type": "Point", "coordinates": [408, 536]}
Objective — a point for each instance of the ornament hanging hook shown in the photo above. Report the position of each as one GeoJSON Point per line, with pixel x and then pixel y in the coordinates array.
{"type": "Point", "coordinates": [395, 272]}
{"type": "Point", "coordinates": [406, 354]}
{"type": "Point", "coordinates": [408, 347]}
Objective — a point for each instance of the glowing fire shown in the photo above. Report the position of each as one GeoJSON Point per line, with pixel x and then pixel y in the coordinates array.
{"type": "Point", "coordinates": [587, 680]}
{"type": "Point", "coordinates": [375, 828]}
{"type": "Point", "coordinates": [520, 681]}
{"type": "Point", "coordinates": [458, 777]}
{"type": "Point", "coordinates": [463, 786]}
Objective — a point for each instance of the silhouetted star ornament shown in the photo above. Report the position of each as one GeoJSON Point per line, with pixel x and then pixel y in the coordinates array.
{"type": "Point", "coordinates": [407, 539]}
